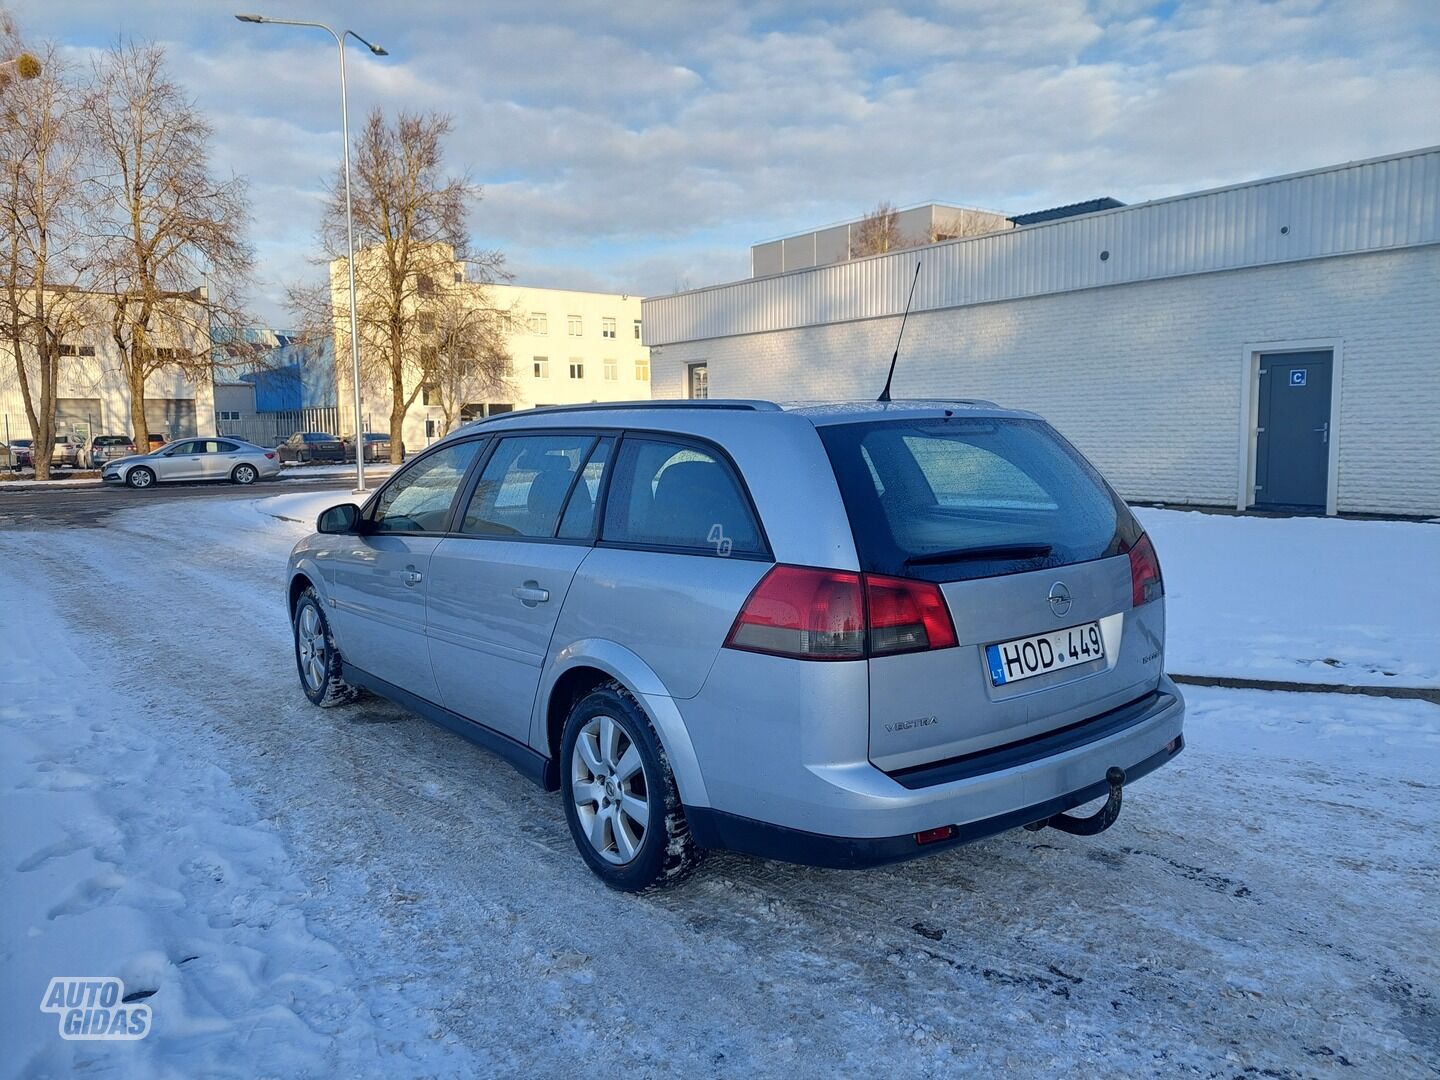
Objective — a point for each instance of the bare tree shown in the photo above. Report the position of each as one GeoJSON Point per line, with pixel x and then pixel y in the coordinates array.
{"type": "Point", "coordinates": [877, 232]}
{"type": "Point", "coordinates": [42, 225]}
{"type": "Point", "coordinates": [15, 62]}
{"type": "Point", "coordinates": [411, 239]}
{"type": "Point", "coordinates": [472, 360]}
{"type": "Point", "coordinates": [165, 224]}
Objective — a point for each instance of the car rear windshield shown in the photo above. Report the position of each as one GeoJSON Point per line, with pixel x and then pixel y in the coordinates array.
{"type": "Point", "coordinates": [969, 497]}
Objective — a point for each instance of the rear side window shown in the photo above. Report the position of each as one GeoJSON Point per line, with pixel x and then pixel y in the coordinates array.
{"type": "Point", "coordinates": [969, 497]}
{"type": "Point", "coordinates": [524, 485]}
{"type": "Point", "coordinates": [418, 499]}
{"type": "Point", "coordinates": [579, 520]}
{"type": "Point", "coordinates": [675, 495]}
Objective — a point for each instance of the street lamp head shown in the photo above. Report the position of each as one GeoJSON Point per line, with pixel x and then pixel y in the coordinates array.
{"type": "Point", "coordinates": [378, 51]}
{"type": "Point", "coordinates": [251, 18]}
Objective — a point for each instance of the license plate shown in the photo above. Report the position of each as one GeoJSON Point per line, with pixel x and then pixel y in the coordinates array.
{"type": "Point", "coordinates": [1024, 658]}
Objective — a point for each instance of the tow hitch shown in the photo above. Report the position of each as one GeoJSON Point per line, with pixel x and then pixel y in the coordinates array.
{"type": "Point", "coordinates": [1097, 822]}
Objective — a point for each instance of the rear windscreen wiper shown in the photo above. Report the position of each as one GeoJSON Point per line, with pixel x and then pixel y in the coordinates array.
{"type": "Point", "coordinates": [991, 551]}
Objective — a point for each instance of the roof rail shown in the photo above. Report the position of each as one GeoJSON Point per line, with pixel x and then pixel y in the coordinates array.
{"type": "Point", "coordinates": [982, 402]}
{"type": "Point", "coordinates": [733, 404]}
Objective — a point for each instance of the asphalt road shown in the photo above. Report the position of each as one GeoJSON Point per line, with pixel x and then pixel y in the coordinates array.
{"type": "Point", "coordinates": [90, 506]}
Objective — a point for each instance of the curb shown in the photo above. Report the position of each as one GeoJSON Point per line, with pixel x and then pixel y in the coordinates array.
{"type": "Point", "coordinates": [1418, 693]}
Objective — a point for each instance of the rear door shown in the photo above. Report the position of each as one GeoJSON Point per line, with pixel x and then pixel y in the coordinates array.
{"type": "Point", "coordinates": [381, 574]}
{"type": "Point", "coordinates": [497, 588]}
{"type": "Point", "coordinates": [1029, 548]}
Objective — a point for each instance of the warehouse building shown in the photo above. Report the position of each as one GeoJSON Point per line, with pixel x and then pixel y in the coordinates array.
{"type": "Point", "coordinates": [1269, 345]}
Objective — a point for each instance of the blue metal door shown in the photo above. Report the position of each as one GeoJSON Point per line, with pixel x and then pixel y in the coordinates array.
{"type": "Point", "coordinates": [1292, 443]}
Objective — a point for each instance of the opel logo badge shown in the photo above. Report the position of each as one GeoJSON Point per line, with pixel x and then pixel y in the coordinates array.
{"type": "Point", "coordinates": [1059, 598]}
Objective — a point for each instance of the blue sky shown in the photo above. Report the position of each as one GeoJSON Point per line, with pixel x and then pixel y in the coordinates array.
{"type": "Point", "coordinates": [643, 147]}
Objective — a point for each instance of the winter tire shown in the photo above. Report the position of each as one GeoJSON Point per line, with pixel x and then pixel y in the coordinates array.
{"type": "Point", "coordinates": [620, 797]}
{"type": "Point", "coordinates": [244, 474]}
{"type": "Point", "coordinates": [316, 657]}
{"type": "Point", "coordinates": [140, 477]}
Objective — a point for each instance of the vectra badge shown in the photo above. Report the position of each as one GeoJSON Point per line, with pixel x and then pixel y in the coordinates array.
{"type": "Point", "coordinates": [1059, 599]}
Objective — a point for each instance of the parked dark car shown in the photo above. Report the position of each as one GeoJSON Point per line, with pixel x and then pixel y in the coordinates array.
{"type": "Point", "coordinates": [306, 446]}
{"type": "Point", "coordinates": [377, 446]}
{"type": "Point", "coordinates": [103, 448]}
{"type": "Point", "coordinates": [157, 440]}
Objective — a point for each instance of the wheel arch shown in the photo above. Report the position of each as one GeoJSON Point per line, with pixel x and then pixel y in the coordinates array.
{"type": "Point", "coordinates": [584, 665]}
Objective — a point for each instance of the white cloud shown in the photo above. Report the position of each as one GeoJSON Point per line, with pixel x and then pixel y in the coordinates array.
{"type": "Point", "coordinates": [637, 145]}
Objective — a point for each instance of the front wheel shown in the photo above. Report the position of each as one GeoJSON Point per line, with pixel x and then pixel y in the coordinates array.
{"type": "Point", "coordinates": [316, 656]}
{"type": "Point", "coordinates": [620, 797]}
{"type": "Point", "coordinates": [140, 477]}
{"type": "Point", "coordinates": [244, 474]}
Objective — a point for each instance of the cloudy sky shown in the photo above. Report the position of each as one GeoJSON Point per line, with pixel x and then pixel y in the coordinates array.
{"type": "Point", "coordinates": [642, 147]}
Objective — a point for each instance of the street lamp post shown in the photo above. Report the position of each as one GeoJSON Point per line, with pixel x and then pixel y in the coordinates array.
{"type": "Point", "coordinates": [349, 218]}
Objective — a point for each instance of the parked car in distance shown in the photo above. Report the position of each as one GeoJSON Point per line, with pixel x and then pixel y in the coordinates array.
{"type": "Point", "coordinates": [20, 453]}
{"type": "Point", "coordinates": [102, 448]}
{"type": "Point", "coordinates": [377, 446]}
{"type": "Point", "coordinates": [842, 634]}
{"type": "Point", "coordinates": [195, 459]}
{"type": "Point", "coordinates": [68, 453]}
{"type": "Point", "coordinates": [305, 447]}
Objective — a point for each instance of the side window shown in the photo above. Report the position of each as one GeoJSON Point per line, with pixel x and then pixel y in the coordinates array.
{"type": "Point", "coordinates": [524, 485]}
{"type": "Point", "coordinates": [188, 448]}
{"type": "Point", "coordinates": [419, 498]}
{"type": "Point", "coordinates": [225, 447]}
{"type": "Point", "coordinates": [674, 495]}
{"type": "Point", "coordinates": [578, 523]}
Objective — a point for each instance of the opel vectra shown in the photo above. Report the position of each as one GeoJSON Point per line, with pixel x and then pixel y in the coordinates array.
{"type": "Point", "coordinates": [841, 634]}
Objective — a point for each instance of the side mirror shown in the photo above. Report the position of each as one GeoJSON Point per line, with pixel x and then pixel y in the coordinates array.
{"type": "Point", "coordinates": [341, 519]}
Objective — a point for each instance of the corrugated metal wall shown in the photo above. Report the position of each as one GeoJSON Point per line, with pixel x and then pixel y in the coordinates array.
{"type": "Point", "coordinates": [1372, 205]}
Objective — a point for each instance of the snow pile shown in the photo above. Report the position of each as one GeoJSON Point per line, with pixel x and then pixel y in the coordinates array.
{"type": "Point", "coordinates": [1318, 600]}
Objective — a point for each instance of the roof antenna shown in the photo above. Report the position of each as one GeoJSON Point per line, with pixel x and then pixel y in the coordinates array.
{"type": "Point", "coordinates": [885, 394]}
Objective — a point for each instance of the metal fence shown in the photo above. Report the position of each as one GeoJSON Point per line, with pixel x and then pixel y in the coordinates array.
{"type": "Point", "coordinates": [273, 428]}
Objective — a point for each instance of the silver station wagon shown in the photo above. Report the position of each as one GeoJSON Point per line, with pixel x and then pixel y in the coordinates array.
{"type": "Point", "coordinates": [839, 634]}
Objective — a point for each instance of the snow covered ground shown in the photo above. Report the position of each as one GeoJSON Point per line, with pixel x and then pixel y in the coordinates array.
{"type": "Point", "coordinates": [1316, 600]}
{"type": "Point", "coordinates": [357, 893]}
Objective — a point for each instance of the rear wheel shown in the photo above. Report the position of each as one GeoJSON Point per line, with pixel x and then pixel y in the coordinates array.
{"type": "Point", "coordinates": [621, 802]}
{"type": "Point", "coordinates": [140, 477]}
{"type": "Point", "coordinates": [244, 474]}
{"type": "Point", "coordinates": [316, 656]}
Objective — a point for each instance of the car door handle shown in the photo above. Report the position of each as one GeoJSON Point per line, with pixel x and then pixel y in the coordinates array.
{"type": "Point", "coordinates": [412, 576]}
{"type": "Point", "coordinates": [530, 593]}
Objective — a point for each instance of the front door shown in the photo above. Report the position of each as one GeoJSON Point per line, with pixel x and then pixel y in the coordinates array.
{"type": "Point", "coordinates": [183, 461]}
{"type": "Point", "coordinates": [1292, 439]}
{"type": "Point", "coordinates": [381, 573]}
{"type": "Point", "coordinates": [497, 590]}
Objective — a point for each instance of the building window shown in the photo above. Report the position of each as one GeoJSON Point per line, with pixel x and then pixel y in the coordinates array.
{"type": "Point", "coordinates": [427, 322]}
{"type": "Point", "coordinates": [67, 349]}
{"type": "Point", "coordinates": [542, 367]}
{"type": "Point", "coordinates": [699, 381]}
{"type": "Point", "coordinates": [227, 414]}
{"type": "Point", "coordinates": [425, 286]}
{"type": "Point", "coordinates": [612, 370]}
{"type": "Point", "coordinates": [434, 429]}
{"type": "Point", "coordinates": [642, 369]}
{"type": "Point", "coordinates": [607, 328]}
{"type": "Point", "coordinates": [637, 329]}
{"type": "Point", "coordinates": [539, 324]}
{"type": "Point", "coordinates": [429, 395]}
{"type": "Point", "coordinates": [577, 369]}
{"type": "Point", "coordinates": [575, 328]}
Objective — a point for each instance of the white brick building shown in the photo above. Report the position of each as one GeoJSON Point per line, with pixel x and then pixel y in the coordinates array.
{"type": "Point", "coordinates": [1141, 333]}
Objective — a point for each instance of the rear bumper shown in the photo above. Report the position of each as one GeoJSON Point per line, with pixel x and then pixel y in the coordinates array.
{"type": "Point", "coordinates": [717, 829]}
{"type": "Point", "coordinates": [860, 816]}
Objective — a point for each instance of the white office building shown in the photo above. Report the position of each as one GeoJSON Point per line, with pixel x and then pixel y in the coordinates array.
{"type": "Point", "coordinates": [1271, 345]}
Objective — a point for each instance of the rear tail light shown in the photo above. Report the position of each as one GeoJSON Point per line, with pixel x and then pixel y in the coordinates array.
{"type": "Point", "coordinates": [906, 616]}
{"type": "Point", "coordinates": [805, 613]}
{"type": "Point", "coordinates": [813, 614]}
{"type": "Point", "coordinates": [1146, 584]}
{"type": "Point", "coordinates": [270, 454]}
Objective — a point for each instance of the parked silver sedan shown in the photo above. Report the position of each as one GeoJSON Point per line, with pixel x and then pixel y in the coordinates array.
{"type": "Point", "coordinates": [195, 459]}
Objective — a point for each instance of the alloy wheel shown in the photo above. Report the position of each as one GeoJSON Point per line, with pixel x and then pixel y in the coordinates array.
{"type": "Point", "coordinates": [310, 641]}
{"type": "Point", "coordinates": [610, 789]}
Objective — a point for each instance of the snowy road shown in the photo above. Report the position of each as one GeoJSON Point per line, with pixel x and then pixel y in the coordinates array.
{"type": "Point", "coordinates": [359, 893]}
